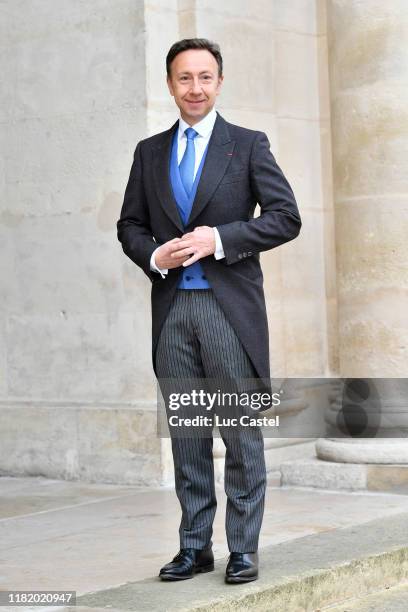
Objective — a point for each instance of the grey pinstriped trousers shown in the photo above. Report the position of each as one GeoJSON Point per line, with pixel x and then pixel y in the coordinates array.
{"type": "Point", "coordinates": [197, 341]}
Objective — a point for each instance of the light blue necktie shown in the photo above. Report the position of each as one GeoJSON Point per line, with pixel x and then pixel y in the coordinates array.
{"type": "Point", "coordinates": [188, 162]}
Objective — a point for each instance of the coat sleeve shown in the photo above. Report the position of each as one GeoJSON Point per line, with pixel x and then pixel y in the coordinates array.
{"type": "Point", "coordinates": [133, 227]}
{"type": "Point", "coordinates": [279, 220]}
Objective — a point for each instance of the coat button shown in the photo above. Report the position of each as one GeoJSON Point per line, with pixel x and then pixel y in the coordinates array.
{"type": "Point", "coordinates": [204, 277]}
{"type": "Point", "coordinates": [188, 277]}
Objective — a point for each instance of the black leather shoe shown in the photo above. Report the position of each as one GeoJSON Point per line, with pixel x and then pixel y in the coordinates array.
{"type": "Point", "coordinates": [186, 563]}
{"type": "Point", "coordinates": [242, 567]}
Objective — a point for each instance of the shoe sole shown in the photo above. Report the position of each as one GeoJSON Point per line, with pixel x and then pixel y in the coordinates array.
{"type": "Point", "coordinates": [198, 570]}
{"type": "Point", "coordinates": [237, 579]}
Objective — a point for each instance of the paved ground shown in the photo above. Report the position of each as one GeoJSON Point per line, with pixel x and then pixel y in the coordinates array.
{"type": "Point", "coordinates": [90, 537]}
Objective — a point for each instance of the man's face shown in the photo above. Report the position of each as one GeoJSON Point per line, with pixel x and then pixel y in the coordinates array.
{"type": "Point", "coordinates": [194, 83]}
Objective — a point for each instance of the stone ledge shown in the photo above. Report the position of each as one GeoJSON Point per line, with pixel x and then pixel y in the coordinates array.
{"type": "Point", "coordinates": [327, 475]}
{"type": "Point", "coordinates": [87, 443]}
{"type": "Point", "coordinates": [301, 574]}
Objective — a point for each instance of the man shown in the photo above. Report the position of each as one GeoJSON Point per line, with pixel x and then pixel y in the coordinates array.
{"type": "Point", "coordinates": [187, 221]}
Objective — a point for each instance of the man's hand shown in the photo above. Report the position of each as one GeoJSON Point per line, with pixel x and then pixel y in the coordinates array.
{"type": "Point", "coordinates": [194, 245]}
{"type": "Point", "coordinates": [163, 257]}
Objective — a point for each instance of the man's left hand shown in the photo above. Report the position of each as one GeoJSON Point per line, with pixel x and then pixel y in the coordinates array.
{"type": "Point", "coordinates": [198, 243]}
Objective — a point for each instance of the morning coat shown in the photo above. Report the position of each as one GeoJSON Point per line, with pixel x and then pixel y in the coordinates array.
{"type": "Point", "coordinates": [239, 172]}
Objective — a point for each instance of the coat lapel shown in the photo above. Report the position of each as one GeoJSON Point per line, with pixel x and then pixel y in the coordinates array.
{"type": "Point", "coordinates": [161, 165]}
{"type": "Point", "coordinates": [218, 158]}
{"type": "Point", "coordinates": [220, 148]}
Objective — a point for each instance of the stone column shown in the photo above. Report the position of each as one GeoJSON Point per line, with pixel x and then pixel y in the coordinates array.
{"type": "Point", "coordinates": [368, 63]}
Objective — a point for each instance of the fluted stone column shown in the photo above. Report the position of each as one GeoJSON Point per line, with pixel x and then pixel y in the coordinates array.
{"type": "Point", "coordinates": [368, 64]}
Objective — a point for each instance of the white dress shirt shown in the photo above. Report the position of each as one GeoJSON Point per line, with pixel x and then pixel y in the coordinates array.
{"type": "Point", "coordinates": [204, 130]}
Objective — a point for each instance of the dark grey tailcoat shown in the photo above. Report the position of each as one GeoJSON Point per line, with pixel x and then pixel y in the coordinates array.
{"type": "Point", "coordinates": [239, 172]}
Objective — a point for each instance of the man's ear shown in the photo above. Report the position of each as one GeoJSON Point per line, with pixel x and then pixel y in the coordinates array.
{"type": "Point", "coordinates": [220, 82]}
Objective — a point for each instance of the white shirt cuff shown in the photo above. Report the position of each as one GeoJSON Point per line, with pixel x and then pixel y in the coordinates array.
{"type": "Point", "coordinates": [154, 268]}
{"type": "Point", "coordinates": [219, 251]}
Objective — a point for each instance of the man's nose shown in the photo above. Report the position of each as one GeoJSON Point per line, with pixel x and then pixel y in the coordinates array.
{"type": "Point", "coordinates": [196, 87]}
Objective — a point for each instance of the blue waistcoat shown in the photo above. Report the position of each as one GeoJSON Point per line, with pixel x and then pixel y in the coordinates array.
{"type": "Point", "coordinates": [193, 276]}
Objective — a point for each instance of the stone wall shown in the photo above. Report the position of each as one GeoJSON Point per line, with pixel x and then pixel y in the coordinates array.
{"type": "Point", "coordinates": [74, 320]}
{"type": "Point", "coordinates": [85, 82]}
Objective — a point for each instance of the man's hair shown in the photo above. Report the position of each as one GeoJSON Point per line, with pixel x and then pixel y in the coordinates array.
{"type": "Point", "coordinates": [194, 43]}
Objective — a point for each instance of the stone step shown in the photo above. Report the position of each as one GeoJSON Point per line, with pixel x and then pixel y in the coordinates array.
{"type": "Point", "coordinates": [320, 474]}
{"type": "Point", "coordinates": [303, 574]}
{"type": "Point", "coordinates": [394, 599]}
